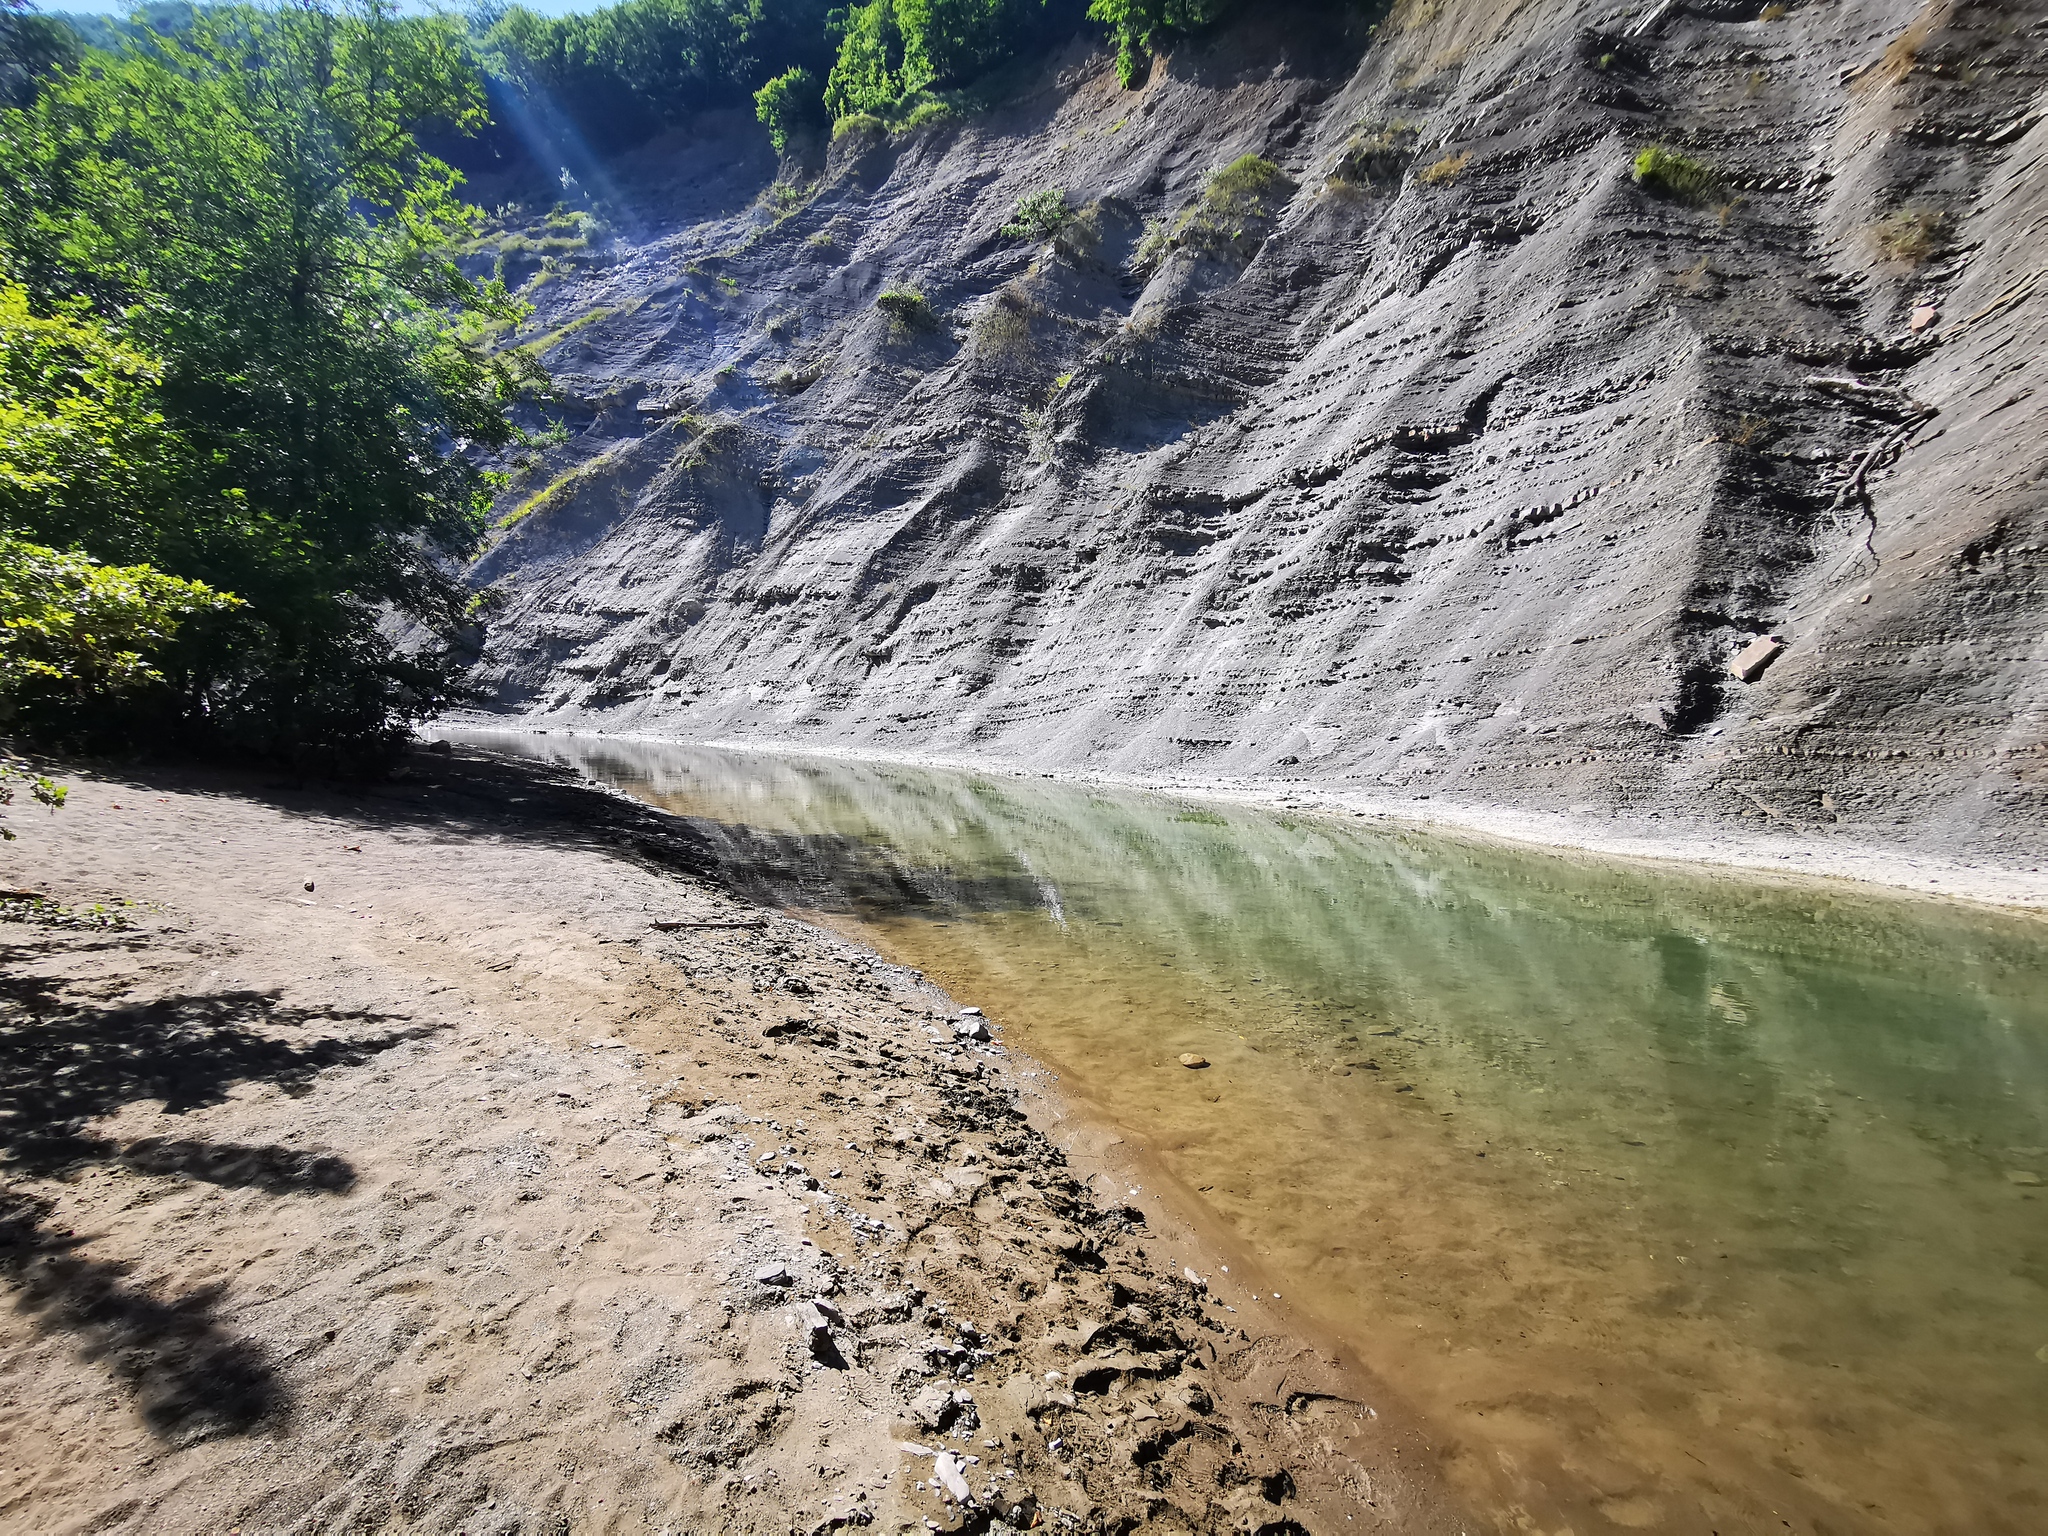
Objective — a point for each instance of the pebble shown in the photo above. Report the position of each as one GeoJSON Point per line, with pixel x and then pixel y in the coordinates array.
{"type": "Point", "coordinates": [1191, 1060]}
{"type": "Point", "coordinates": [774, 1274]}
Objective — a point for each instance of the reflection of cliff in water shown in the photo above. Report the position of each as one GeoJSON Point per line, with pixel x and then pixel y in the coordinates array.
{"type": "Point", "coordinates": [1506, 964]}
{"type": "Point", "coordinates": [1755, 1139]}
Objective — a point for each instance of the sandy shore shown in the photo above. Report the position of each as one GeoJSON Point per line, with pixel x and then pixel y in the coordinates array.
{"type": "Point", "coordinates": [453, 1156]}
{"type": "Point", "coordinates": [1784, 847]}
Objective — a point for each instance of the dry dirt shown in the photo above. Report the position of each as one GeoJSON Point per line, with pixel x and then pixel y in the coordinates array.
{"type": "Point", "coordinates": [452, 1157]}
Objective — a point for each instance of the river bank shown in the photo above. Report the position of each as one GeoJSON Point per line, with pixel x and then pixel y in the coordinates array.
{"type": "Point", "coordinates": [457, 1155]}
{"type": "Point", "coordinates": [1788, 844]}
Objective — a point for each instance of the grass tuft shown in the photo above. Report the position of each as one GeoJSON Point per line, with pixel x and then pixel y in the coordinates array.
{"type": "Point", "coordinates": [1442, 173]}
{"type": "Point", "coordinates": [1912, 236]}
{"type": "Point", "coordinates": [1666, 173]}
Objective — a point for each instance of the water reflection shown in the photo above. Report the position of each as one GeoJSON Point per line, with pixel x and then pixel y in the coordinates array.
{"type": "Point", "coordinates": [1715, 1200]}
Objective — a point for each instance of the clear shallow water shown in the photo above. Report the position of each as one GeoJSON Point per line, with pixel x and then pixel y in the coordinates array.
{"type": "Point", "coordinates": [1676, 1202]}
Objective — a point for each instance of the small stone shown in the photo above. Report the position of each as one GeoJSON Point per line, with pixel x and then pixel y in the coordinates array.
{"type": "Point", "coordinates": [1193, 1062]}
{"type": "Point", "coordinates": [1749, 662]}
{"type": "Point", "coordinates": [947, 1470]}
{"type": "Point", "coordinates": [1018, 1507]}
{"type": "Point", "coordinates": [933, 1408]}
{"type": "Point", "coordinates": [2023, 1178]}
{"type": "Point", "coordinates": [774, 1274]}
{"type": "Point", "coordinates": [1923, 316]}
{"type": "Point", "coordinates": [1195, 1280]}
{"type": "Point", "coordinates": [309, 885]}
{"type": "Point", "coordinates": [975, 1028]}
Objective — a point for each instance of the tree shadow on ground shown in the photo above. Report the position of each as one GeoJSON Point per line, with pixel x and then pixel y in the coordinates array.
{"type": "Point", "coordinates": [191, 1378]}
{"type": "Point", "coordinates": [67, 1060]}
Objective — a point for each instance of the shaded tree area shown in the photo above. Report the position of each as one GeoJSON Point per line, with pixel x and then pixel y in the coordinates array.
{"type": "Point", "coordinates": [230, 354]}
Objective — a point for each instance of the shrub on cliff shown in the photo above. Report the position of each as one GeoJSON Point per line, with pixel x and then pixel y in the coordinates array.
{"type": "Point", "coordinates": [788, 104]}
{"type": "Point", "coordinates": [1040, 215]}
{"type": "Point", "coordinates": [1139, 27]}
{"type": "Point", "coordinates": [1667, 173]}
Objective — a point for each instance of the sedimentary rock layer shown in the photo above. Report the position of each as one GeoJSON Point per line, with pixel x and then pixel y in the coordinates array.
{"type": "Point", "coordinates": [1455, 460]}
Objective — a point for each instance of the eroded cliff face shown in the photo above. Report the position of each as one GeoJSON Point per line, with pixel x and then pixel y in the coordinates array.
{"type": "Point", "coordinates": [1462, 469]}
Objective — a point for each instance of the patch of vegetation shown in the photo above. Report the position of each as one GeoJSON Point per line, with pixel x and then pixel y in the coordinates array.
{"type": "Point", "coordinates": [1666, 173]}
{"type": "Point", "coordinates": [1039, 215]}
{"type": "Point", "coordinates": [1912, 236]}
{"type": "Point", "coordinates": [44, 791]}
{"type": "Point", "coordinates": [788, 104]}
{"type": "Point", "coordinates": [896, 55]}
{"type": "Point", "coordinates": [1774, 12]}
{"type": "Point", "coordinates": [86, 632]}
{"type": "Point", "coordinates": [1374, 156]}
{"type": "Point", "coordinates": [561, 333]}
{"type": "Point", "coordinates": [1003, 327]}
{"type": "Point", "coordinates": [45, 913]}
{"type": "Point", "coordinates": [925, 110]}
{"type": "Point", "coordinates": [857, 122]}
{"type": "Point", "coordinates": [1202, 818]}
{"type": "Point", "coordinates": [1140, 27]}
{"type": "Point", "coordinates": [1154, 245]}
{"type": "Point", "coordinates": [1236, 202]}
{"type": "Point", "coordinates": [1441, 173]}
{"type": "Point", "coordinates": [907, 309]}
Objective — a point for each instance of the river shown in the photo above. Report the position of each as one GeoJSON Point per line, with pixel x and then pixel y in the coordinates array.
{"type": "Point", "coordinates": [1676, 1200]}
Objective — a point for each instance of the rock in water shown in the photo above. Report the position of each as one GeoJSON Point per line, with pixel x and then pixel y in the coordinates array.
{"type": "Point", "coordinates": [1190, 1059]}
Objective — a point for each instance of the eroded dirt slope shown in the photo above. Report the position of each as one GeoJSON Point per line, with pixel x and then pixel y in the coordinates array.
{"type": "Point", "coordinates": [1456, 463]}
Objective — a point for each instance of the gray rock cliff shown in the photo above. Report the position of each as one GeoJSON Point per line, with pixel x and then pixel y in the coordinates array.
{"type": "Point", "coordinates": [1452, 461]}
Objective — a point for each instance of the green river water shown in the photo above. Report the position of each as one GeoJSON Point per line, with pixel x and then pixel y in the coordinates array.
{"type": "Point", "coordinates": [1671, 1201]}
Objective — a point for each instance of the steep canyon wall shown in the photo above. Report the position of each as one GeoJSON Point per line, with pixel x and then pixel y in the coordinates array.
{"type": "Point", "coordinates": [1454, 461]}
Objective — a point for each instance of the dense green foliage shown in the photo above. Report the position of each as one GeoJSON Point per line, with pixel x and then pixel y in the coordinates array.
{"type": "Point", "coordinates": [231, 355]}
{"type": "Point", "coordinates": [86, 631]}
{"type": "Point", "coordinates": [621, 74]}
{"type": "Point", "coordinates": [788, 104]}
{"type": "Point", "coordinates": [1140, 26]}
{"type": "Point", "coordinates": [895, 49]}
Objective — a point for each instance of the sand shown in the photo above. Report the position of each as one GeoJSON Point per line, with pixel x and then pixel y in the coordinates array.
{"type": "Point", "coordinates": [452, 1155]}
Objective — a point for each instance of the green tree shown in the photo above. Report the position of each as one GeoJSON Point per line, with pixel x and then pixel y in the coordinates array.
{"type": "Point", "coordinates": [85, 631]}
{"type": "Point", "coordinates": [787, 104]}
{"type": "Point", "coordinates": [248, 202]}
{"type": "Point", "coordinates": [872, 73]}
{"type": "Point", "coordinates": [1140, 26]}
